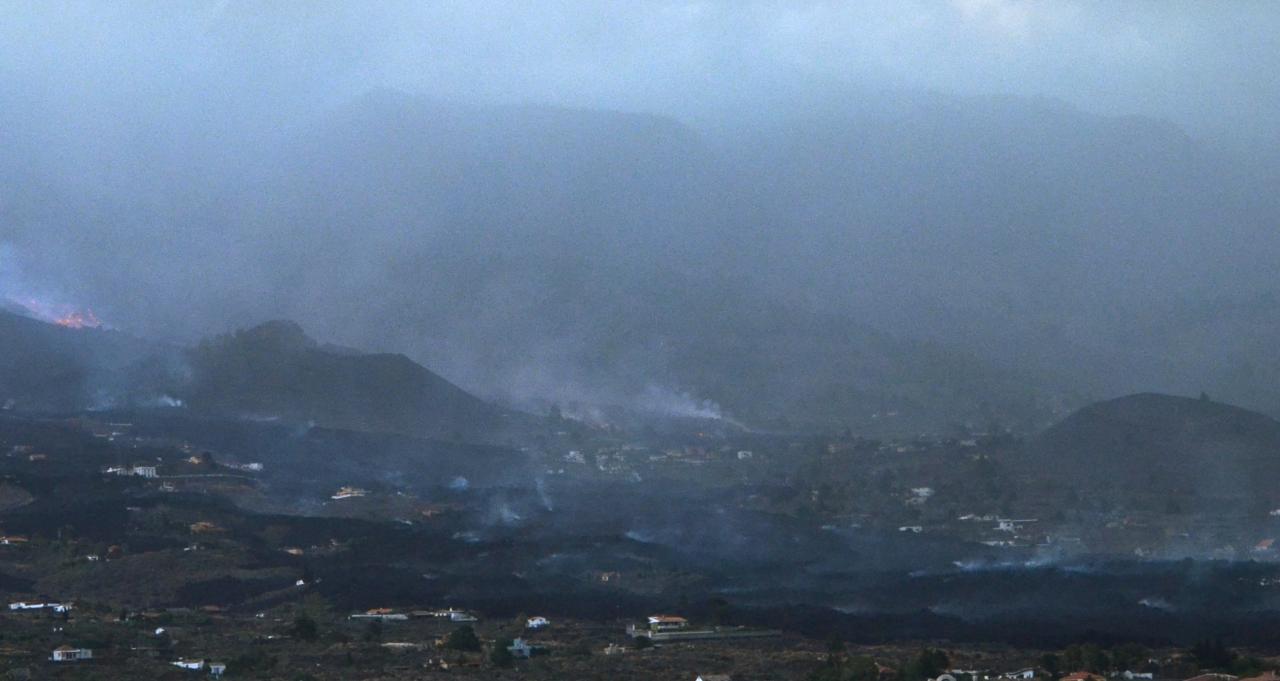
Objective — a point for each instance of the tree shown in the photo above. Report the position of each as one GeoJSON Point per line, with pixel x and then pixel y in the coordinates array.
{"type": "Point", "coordinates": [500, 656]}
{"type": "Point", "coordinates": [1095, 659]}
{"type": "Point", "coordinates": [856, 668]}
{"type": "Point", "coordinates": [1129, 656]}
{"type": "Point", "coordinates": [1072, 658]}
{"type": "Point", "coordinates": [719, 610]}
{"type": "Point", "coordinates": [305, 628]}
{"type": "Point", "coordinates": [1212, 654]}
{"type": "Point", "coordinates": [1051, 664]}
{"type": "Point", "coordinates": [861, 668]}
{"type": "Point", "coordinates": [927, 664]}
{"type": "Point", "coordinates": [463, 638]}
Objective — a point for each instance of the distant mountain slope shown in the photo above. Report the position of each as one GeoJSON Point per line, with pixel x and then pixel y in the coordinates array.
{"type": "Point", "coordinates": [45, 366]}
{"type": "Point", "coordinates": [271, 371]}
{"type": "Point", "coordinates": [276, 370]}
{"type": "Point", "coordinates": [927, 249]}
{"type": "Point", "coordinates": [1150, 442]}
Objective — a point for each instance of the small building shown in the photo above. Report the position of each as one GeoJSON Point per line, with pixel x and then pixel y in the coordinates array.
{"type": "Point", "coordinates": [55, 607]}
{"type": "Point", "coordinates": [70, 654]}
{"type": "Point", "coordinates": [183, 663]}
{"type": "Point", "coordinates": [217, 669]}
{"type": "Point", "coordinates": [145, 471]}
{"type": "Point", "coordinates": [520, 648]}
{"type": "Point", "coordinates": [349, 493]}
{"type": "Point", "coordinates": [537, 623]}
{"type": "Point", "coordinates": [1026, 673]}
{"type": "Point", "coordinates": [714, 677]}
{"type": "Point", "coordinates": [667, 622]}
{"type": "Point", "coordinates": [380, 614]}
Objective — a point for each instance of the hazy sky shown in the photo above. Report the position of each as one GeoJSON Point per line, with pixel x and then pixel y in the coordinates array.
{"type": "Point", "coordinates": [189, 167]}
{"type": "Point", "coordinates": [1211, 67]}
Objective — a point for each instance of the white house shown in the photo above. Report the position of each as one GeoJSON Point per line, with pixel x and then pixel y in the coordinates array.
{"type": "Point", "coordinates": [1027, 673]}
{"type": "Point", "coordinates": [56, 607]}
{"type": "Point", "coordinates": [537, 623]}
{"type": "Point", "coordinates": [382, 614]}
{"type": "Point", "coordinates": [145, 471]}
{"type": "Point", "coordinates": [195, 665]}
{"type": "Point", "coordinates": [520, 648]}
{"type": "Point", "coordinates": [69, 654]}
{"type": "Point", "coordinates": [349, 493]}
{"type": "Point", "coordinates": [667, 622]}
{"type": "Point", "coordinates": [217, 669]}
{"type": "Point", "coordinates": [714, 677]}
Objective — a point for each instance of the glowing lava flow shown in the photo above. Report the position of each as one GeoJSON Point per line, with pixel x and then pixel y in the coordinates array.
{"type": "Point", "coordinates": [79, 320]}
{"type": "Point", "coordinates": [65, 316]}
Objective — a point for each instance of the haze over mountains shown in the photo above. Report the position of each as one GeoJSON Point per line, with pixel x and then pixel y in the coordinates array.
{"type": "Point", "coordinates": [863, 256]}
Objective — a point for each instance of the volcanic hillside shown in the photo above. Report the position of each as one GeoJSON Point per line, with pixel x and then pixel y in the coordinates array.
{"type": "Point", "coordinates": [1195, 450]}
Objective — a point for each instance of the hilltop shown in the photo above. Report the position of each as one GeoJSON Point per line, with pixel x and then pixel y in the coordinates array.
{"type": "Point", "coordinates": [273, 371]}
{"type": "Point", "coordinates": [1150, 443]}
{"type": "Point", "coordinates": [276, 370]}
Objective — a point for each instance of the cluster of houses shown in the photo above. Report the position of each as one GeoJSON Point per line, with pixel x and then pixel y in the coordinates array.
{"type": "Point", "coordinates": [66, 653]}
{"type": "Point", "coordinates": [390, 615]}
{"type": "Point", "coordinates": [216, 669]}
{"type": "Point", "coordinates": [1036, 674]}
{"type": "Point", "coordinates": [139, 470]}
{"type": "Point", "coordinates": [23, 606]}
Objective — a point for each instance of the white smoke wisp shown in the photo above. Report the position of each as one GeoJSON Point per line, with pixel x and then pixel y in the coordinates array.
{"type": "Point", "coordinates": [667, 402]}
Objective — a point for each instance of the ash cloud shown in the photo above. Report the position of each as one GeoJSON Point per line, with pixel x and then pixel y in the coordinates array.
{"type": "Point", "coordinates": [766, 210]}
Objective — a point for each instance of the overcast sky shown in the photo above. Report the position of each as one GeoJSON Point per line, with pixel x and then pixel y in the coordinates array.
{"type": "Point", "coordinates": [1208, 66]}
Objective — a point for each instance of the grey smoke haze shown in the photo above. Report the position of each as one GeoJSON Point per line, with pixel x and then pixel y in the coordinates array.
{"type": "Point", "coordinates": [762, 208]}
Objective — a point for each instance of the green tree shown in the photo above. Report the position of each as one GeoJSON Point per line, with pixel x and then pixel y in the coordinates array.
{"type": "Point", "coordinates": [927, 664]}
{"type": "Point", "coordinates": [500, 656]}
{"type": "Point", "coordinates": [1095, 659]}
{"type": "Point", "coordinates": [861, 668]}
{"type": "Point", "coordinates": [1051, 664]}
{"type": "Point", "coordinates": [463, 638]}
{"type": "Point", "coordinates": [1073, 658]}
{"type": "Point", "coordinates": [305, 628]}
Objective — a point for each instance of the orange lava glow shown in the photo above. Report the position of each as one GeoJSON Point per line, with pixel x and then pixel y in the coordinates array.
{"type": "Point", "coordinates": [79, 320]}
{"type": "Point", "coordinates": [65, 316]}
